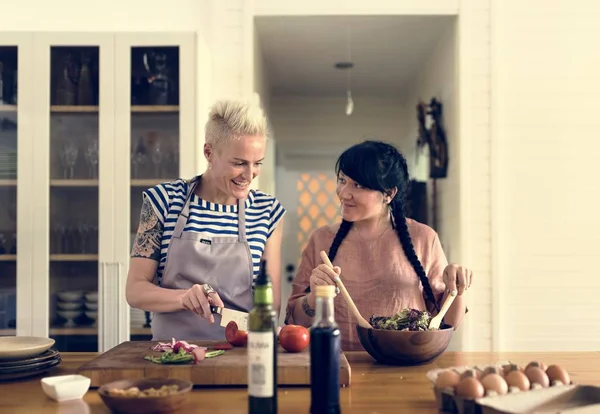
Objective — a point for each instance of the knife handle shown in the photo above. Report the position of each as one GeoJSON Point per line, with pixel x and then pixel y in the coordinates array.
{"type": "Point", "coordinates": [215, 309]}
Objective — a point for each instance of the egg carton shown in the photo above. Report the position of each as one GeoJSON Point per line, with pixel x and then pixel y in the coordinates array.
{"type": "Point", "coordinates": [556, 399]}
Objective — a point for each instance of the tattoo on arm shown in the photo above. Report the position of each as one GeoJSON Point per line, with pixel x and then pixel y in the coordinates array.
{"type": "Point", "coordinates": [148, 238]}
{"type": "Point", "coordinates": [310, 312]}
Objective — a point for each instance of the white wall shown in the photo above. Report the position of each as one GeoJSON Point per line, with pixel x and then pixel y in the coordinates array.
{"type": "Point", "coordinates": [307, 121]}
{"type": "Point", "coordinates": [546, 142]}
{"type": "Point", "coordinates": [105, 16]}
{"type": "Point", "coordinates": [266, 180]}
{"type": "Point", "coordinates": [438, 78]}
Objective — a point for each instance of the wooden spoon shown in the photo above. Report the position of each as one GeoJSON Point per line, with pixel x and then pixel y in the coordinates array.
{"type": "Point", "coordinates": [436, 321]}
{"type": "Point", "coordinates": [362, 322]}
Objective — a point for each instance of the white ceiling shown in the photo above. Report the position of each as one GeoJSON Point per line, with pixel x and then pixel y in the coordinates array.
{"type": "Point", "coordinates": [387, 51]}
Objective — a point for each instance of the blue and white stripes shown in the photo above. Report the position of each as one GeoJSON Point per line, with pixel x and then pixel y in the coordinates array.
{"type": "Point", "coordinates": [263, 213]}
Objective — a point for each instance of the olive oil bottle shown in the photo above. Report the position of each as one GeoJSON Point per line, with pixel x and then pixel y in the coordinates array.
{"type": "Point", "coordinates": [262, 348]}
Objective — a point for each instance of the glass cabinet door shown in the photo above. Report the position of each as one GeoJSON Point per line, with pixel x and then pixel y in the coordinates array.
{"type": "Point", "coordinates": [9, 65]}
{"type": "Point", "coordinates": [160, 121]}
{"type": "Point", "coordinates": [154, 135]}
{"type": "Point", "coordinates": [74, 159]}
{"type": "Point", "coordinates": [76, 121]}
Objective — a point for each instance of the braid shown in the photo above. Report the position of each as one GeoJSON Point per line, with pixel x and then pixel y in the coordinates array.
{"type": "Point", "coordinates": [341, 234]}
{"type": "Point", "coordinates": [409, 250]}
{"type": "Point", "coordinates": [339, 237]}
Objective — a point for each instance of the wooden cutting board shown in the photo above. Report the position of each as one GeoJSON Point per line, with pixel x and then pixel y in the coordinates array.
{"type": "Point", "coordinates": [126, 361]}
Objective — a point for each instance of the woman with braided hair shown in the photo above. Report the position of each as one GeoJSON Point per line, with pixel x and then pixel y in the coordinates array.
{"type": "Point", "coordinates": [388, 262]}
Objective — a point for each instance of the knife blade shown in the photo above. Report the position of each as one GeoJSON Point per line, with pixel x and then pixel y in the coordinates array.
{"type": "Point", "coordinates": [228, 315]}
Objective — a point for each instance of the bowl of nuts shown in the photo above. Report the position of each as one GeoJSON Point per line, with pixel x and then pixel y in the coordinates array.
{"type": "Point", "coordinates": [145, 396]}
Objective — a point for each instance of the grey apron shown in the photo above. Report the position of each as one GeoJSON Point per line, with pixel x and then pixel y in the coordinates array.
{"type": "Point", "coordinates": [225, 263]}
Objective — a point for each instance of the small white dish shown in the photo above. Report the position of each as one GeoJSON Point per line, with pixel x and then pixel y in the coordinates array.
{"type": "Point", "coordinates": [66, 387]}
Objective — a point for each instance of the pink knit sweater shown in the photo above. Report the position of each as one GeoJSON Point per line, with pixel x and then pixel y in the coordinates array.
{"type": "Point", "coordinates": [377, 274]}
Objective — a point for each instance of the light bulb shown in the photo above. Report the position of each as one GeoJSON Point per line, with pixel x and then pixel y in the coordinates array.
{"type": "Point", "coordinates": [349, 103]}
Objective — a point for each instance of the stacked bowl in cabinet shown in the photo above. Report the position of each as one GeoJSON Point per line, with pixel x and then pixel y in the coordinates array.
{"type": "Point", "coordinates": [77, 308]}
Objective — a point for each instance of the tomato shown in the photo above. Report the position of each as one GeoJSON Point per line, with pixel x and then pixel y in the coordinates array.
{"type": "Point", "coordinates": [294, 338]}
{"type": "Point", "coordinates": [235, 336]}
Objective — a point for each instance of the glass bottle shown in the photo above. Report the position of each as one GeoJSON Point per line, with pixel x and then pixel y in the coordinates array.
{"type": "Point", "coordinates": [262, 348]}
{"type": "Point", "coordinates": [325, 350]}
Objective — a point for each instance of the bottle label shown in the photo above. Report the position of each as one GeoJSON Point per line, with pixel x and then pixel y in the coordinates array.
{"type": "Point", "coordinates": [260, 364]}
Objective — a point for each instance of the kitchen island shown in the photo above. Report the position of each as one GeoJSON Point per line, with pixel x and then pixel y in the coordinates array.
{"type": "Point", "coordinates": [374, 388]}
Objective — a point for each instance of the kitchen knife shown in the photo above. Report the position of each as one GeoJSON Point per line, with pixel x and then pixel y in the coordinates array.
{"type": "Point", "coordinates": [227, 315]}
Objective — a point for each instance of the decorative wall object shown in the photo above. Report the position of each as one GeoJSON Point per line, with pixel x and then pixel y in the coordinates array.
{"type": "Point", "coordinates": [435, 139]}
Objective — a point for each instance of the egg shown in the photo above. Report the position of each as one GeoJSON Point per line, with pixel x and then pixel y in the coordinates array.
{"type": "Point", "coordinates": [517, 379]}
{"type": "Point", "coordinates": [494, 383]}
{"type": "Point", "coordinates": [491, 370]}
{"type": "Point", "coordinates": [538, 364]}
{"type": "Point", "coordinates": [557, 374]}
{"type": "Point", "coordinates": [470, 388]}
{"type": "Point", "coordinates": [510, 367]}
{"type": "Point", "coordinates": [447, 379]}
{"type": "Point", "coordinates": [471, 372]}
{"type": "Point", "coordinates": [537, 376]}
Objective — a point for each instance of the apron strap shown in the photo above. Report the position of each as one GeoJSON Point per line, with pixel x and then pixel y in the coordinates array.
{"type": "Point", "coordinates": [185, 212]}
{"type": "Point", "coordinates": [241, 221]}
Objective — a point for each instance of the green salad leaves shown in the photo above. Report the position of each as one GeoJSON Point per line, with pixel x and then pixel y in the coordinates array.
{"type": "Point", "coordinates": [405, 320]}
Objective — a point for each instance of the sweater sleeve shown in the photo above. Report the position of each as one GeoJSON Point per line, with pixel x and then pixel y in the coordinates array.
{"type": "Point", "coordinates": [301, 281]}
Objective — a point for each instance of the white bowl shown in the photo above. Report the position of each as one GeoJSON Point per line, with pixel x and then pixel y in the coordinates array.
{"type": "Point", "coordinates": [92, 314]}
{"type": "Point", "coordinates": [91, 305]}
{"type": "Point", "coordinates": [91, 296]}
{"type": "Point", "coordinates": [66, 387]}
{"type": "Point", "coordinates": [70, 295]}
{"type": "Point", "coordinates": [68, 305]}
{"type": "Point", "coordinates": [69, 314]}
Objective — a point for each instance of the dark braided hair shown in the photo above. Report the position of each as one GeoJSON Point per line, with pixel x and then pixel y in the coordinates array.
{"type": "Point", "coordinates": [379, 166]}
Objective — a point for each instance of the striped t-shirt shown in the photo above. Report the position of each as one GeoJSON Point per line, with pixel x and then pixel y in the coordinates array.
{"type": "Point", "coordinates": [263, 213]}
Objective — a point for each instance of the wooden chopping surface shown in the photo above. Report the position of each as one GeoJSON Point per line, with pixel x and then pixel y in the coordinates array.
{"type": "Point", "coordinates": [126, 361]}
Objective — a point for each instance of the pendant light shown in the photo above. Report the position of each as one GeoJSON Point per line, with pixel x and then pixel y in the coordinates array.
{"type": "Point", "coordinates": [347, 66]}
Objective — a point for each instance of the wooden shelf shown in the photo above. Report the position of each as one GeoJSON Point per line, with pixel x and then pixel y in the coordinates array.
{"type": "Point", "coordinates": [149, 182]}
{"type": "Point", "coordinates": [73, 108]}
{"type": "Point", "coordinates": [77, 331]}
{"type": "Point", "coordinates": [141, 331]}
{"type": "Point", "coordinates": [76, 109]}
{"type": "Point", "coordinates": [144, 182]}
{"type": "Point", "coordinates": [154, 108]}
{"type": "Point", "coordinates": [8, 182]}
{"type": "Point", "coordinates": [73, 257]}
{"type": "Point", "coordinates": [8, 257]}
{"type": "Point", "coordinates": [8, 108]}
{"type": "Point", "coordinates": [73, 183]}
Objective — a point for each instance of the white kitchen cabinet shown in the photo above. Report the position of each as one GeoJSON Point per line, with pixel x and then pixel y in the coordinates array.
{"type": "Point", "coordinates": [99, 118]}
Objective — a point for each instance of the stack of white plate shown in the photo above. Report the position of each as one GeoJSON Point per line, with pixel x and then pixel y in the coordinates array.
{"type": "Point", "coordinates": [91, 306]}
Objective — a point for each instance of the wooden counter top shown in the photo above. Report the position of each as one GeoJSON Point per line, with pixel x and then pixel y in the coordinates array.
{"type": "Point", "coordinates": [374, 389]}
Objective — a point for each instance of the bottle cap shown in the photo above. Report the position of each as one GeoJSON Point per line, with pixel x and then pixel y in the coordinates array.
{"type": "Point", "coordinates": [325, 291]}
{"type": "Point", "coordinates": [262, 279]}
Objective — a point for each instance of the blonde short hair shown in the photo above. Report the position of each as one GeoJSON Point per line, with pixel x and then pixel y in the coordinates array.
{"type": "Point", "coordinates": [230, 119]}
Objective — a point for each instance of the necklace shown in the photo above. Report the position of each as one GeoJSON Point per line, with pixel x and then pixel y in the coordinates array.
{"type": "Point", "coordinates": [373, 239]}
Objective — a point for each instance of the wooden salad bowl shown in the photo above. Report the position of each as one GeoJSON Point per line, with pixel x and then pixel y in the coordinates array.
{"type": "Point", "coordinates": [405, 348]}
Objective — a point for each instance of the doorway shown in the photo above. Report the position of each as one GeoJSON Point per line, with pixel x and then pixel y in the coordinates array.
{"type": "Point", "coordinates": [398, 61]}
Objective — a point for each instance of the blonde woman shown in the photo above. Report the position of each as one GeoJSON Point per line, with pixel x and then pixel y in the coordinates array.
{"type": "Point", "coordinates": [200, 241]}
